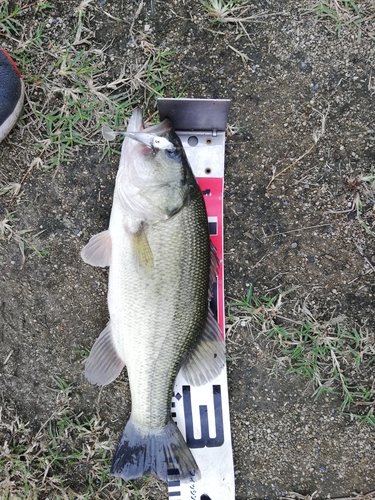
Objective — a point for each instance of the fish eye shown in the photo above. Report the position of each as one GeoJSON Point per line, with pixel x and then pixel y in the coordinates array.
{"type": "Point", "coordinates": [174, 154]}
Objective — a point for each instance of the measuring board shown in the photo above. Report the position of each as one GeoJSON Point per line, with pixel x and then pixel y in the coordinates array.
{"type": "Point", "coordinates": [202, 413]}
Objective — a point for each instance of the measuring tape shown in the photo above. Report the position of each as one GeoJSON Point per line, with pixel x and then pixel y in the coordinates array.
{"type": "Point", "coordinates": [202, 413]}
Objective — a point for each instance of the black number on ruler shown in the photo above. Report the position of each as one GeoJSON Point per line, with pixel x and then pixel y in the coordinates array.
{"type": "Point", "coordinates": [214, 299]}
{"type": "Point", "coordinates": [205, 440]}
{"type": "Point", "coordinates": [212, 226]}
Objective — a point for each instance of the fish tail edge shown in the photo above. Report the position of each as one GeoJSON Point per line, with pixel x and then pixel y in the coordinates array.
{"type": "Point", "coordinates": [162, 453]}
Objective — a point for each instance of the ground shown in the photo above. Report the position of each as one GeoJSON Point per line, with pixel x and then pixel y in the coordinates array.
{"type": "Point", "coordinates": [299, 218]}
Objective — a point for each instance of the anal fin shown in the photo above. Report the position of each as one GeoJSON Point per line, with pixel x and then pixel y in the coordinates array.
{"type": "Point", "coordinates": [207, 359]}
{"type": "Point", "coordinates": [103, 365]}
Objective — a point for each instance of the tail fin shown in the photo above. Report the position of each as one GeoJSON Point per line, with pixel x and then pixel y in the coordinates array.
{"type": "Point", "coordinates": [163, 453]}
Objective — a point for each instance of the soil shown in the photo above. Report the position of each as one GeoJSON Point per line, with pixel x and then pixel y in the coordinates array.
{"type": "Point", "coordinates": [295, 73]}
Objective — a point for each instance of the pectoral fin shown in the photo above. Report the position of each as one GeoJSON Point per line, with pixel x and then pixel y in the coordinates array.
{"type": "Point", "coordinates": [98, 250]}
{"type": "Point", "coordinates": [207, 359]}
{"type": "Point", "coordinates": [142, 251]}
{"type": "Point", "coordinates": [103, 365]}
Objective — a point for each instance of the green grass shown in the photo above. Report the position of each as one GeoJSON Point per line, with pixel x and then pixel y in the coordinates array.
{"type": "Point", "coordinates": [335, 357]}
{"type": "Point", "coordinates": [346, 13]}
{"type": "Point", "coordinates": [339, 11]}
{"type": "Point", "coordinates": [32, 466]}
{"type": "Point", "coordinates": [72, 95]}
{"type": "Point", "coordinates": [9, 24]}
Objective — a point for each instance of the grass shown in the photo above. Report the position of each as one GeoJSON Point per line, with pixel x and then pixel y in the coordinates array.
{"type": "Point", "coordinates": [72, 91]}
{"type": "Point", "coordinates": [80, 103]}
{"type": "Point", "coordinates": [9, 23]}
{"type": "Point", "coordinates": [235, 12]}
{"type": "Point", "coordinates": [365, 190]}
{"type": "Point", "coordinates": [292, 495]}
{"type": "Point", "coordinates": [68, 458]}
{"type": "Point", "coordinates": [348, 14]}
{"type": "Point", "coordinates": [363, 200]}
{"type": "Point", "coordinates": [227, 10]}
{"type": "Point", "coordinates": [34, 465]}
{"type": "Point", "coordinates": [335, 357]}
{"type": "Point", "coordinates": [72, 96]}
{"type": "Point", "coordinates": [24, 238]}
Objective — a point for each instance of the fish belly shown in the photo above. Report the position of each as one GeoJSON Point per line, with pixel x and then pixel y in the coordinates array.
{"type": "Point", "coordinates": [157, 315]}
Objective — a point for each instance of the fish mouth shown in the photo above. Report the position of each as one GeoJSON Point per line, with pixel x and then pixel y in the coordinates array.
{"type": "Point", "coordinates": [154, 137]}
{"type": "Point", "coordinates": [152, 141]}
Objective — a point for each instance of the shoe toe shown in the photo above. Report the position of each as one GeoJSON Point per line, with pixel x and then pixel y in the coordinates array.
{"type": "Point", "coordinates": [11, 94]}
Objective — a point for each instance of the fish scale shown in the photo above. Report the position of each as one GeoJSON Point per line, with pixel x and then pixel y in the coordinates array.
{"type": "Point", "coordinates": [176, 311]}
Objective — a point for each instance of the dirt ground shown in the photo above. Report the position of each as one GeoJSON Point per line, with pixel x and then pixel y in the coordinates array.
{"type": "Point", "coordinates": [302, 100]}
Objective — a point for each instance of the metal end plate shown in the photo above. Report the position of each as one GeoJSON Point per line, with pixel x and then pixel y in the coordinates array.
{"type": "Point", "coordinates": [195, 114]}
{"type": "Point", "coordinates": [205, 152]}
{"type": "Point", "coordinates": [200, 124]}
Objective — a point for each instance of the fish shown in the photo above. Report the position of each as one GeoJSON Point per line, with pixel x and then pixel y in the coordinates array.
{"type": "Point", "coordinates": [161, 270]}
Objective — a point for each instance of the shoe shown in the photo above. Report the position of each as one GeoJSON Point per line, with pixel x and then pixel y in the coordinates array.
{"type": "Point", "coordinates": [12, 93]}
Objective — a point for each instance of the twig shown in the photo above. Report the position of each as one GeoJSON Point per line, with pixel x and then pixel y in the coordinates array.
{"type": "Point", "coordinates": [274, 176]}
{"type": "Point", "coordinates": [316, 137]}
{"type": "Point", "coordinates": [296, 230]}
{"type": "Point", "coordinates": [243, 56]}
{"type": "Point", "coordinates": [36, 161]}
{"type": "Point", "coordinates": [8, 357]}
{"type": "Point", "coordinates": [364, 256]}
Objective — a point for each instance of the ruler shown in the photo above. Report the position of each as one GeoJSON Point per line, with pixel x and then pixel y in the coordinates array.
{"type": "Point", "coordinates": [202, 413]}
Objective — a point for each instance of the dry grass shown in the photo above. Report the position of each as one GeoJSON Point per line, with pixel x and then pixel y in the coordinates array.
{"type": "Point", "coordinates": [334, 356]}
{"type": "Point", "coordinates": [67, 458]}
{"type": "Point", "coordinates": [70, 91]}
{"type": "Point", "coordinates": [39, 465]}
{"type": "Point", "coordinates": [70, 94]}
{"type": "Point", "coordinates": [350, 15]}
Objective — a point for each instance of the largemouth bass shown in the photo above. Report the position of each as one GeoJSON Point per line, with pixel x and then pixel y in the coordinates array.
{"type": "Point", "coordinates": [161, 267]}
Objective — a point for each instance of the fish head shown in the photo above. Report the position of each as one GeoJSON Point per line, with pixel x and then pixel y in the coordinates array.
{"type": "Point", "coordinates": [154, 172]}
{"type": "Point", "coordinates": [157, 154]}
